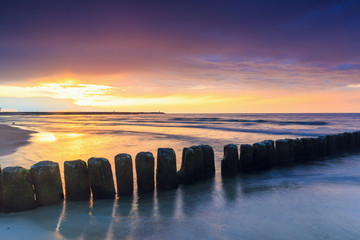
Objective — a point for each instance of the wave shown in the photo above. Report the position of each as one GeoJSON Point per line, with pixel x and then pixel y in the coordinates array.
{"type": "Point", "coordinates": [194, 120]}
{"type": "Point", "coordinates": [294, 132]}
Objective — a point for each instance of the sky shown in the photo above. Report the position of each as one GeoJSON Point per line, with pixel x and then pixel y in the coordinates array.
{"type": "Point", "coordinates": [180, 56]}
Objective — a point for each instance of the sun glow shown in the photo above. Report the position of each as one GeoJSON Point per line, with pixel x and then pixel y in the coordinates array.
{"type": "Point", "coordinates": [45, 137]}
{"type": "Point", "coordinates": [71, 90]}
{"type": "Point", "coordinates": [102, 96]}
{"type": "Point", "coordinates": [74, 95]}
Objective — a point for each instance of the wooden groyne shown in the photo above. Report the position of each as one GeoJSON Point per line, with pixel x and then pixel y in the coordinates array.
{"type": "Point", "coordinates": [24, 189]}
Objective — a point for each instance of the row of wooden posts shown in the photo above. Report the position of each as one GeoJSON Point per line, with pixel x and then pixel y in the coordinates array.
{"type": "Point", "coordinates": [286, 152]}
{"type": "Point", "coordinates": [23, 189]}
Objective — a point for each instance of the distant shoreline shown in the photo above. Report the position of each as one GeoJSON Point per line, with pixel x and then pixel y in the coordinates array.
{"type": "Point", "coordinates": [78, 113]}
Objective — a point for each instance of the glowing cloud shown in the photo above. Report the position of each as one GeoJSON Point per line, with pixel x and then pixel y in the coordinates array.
{"type": "Point", "coordinates": [353, 86]}
{"type": "Point", "coordinates": [71, 90]}
{"type": "Point", "coordinates": [99, 95]}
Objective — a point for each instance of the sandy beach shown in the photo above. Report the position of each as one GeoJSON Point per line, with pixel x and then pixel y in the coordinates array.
{"type": "Point", "coordinates": [11, 138]}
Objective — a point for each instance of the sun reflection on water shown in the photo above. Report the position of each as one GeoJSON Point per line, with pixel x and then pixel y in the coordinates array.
{"type": "Point", "coordinates": [44, 137]}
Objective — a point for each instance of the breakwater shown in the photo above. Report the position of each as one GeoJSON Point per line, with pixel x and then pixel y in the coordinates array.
{"type": "Point", "coordinates": [23, 189]}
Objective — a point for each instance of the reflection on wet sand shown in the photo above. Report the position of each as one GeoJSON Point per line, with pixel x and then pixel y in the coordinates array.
{"type": "Point", "coordinates": [133, 217]}
{"type": "Point", "coordinates": [124, 206]}
{"type": "Point", "coordinates": [229, 187]}
{"type": "Point", "coordinates": [76, 220]}
{"type": "Point", "coordinates": [128, 217]}
{"type": "Point", "coordinates": [166, 203]}
{"type": "Point", "coordinates": [194, 196]}
{"type": "Point", "coordinates": [145, 205]}
{"type": "Point", "coordinates": [213, 209]}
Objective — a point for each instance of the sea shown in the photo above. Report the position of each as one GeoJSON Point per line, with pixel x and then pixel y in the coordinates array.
{"type": "Point", "coordinates": [317, 200]}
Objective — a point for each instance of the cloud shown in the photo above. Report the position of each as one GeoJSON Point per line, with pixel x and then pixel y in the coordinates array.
{"type": "Point", "coordinates": [348, 66]}
{"type": "Point", "coordinates": [110, 37]}
{"type": "Point", "coordinates": [35, 104]}
{"type": "Point", "coordinates": [138, 52]}
{"type": "Point", "coordinates": [353, 86]}
{"type": "Point", "coordinates": [90, 95]}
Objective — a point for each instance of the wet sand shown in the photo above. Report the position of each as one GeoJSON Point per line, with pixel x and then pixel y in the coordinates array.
{"type": "Point", "coordinates": [11, 138]}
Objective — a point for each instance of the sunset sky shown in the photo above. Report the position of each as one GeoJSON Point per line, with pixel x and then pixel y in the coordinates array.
{"type": "Point", "coordinates": [180, 56]}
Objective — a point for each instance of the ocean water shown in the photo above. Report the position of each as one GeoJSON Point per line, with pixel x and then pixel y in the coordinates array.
{"type": "Point", "coordinates": [318, 200]}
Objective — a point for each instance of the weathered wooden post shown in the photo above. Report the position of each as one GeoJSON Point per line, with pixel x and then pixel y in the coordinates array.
{"type": "Point", "coordinates": [341, 142]}
{"type": "Point", "coordinates": [46, 178]}
{"type": "Point", "coordinates": [354, 140]}
{"type": "Point", "coordinates": [332, 144]}
{"type": "Point", "coordinates": [283, 151]}
{"type": "Point", "coordinates": [144, 162]}
{"type": "Point", "coordinates": [322, 146]}
{"type": "Point", "coordinates": [292, 149]}
{"type": "Point", "coordinates": [246, 158]}
{"type": "Point", "coordinates": [229, 164]}
{"type": "Point", "coordinates": [199, 162]}
{"type": "Point", "coordinates": [186, 173]}
{"type": "Point", "coordinates": [350, 141]}
{"type": "Point", "coordinates": [124, 174]}
{"type": "Point", "coordinates": [77, 184]}
{"type": "Point", "coordinates": [271, 159]}
{"type": "Point", "coordinates": [309, 148]}
{"type": "Point", "coordinates": [17, 189]}
{"type": "Point", "coordinates": [209, 161]}
{"type": "Point", "coordinates": [296, 150]}
{"type": "Point", "coordinates": [259, 156]}
{"type": "Point", "coordinates": [357, 139]}
{"type": "Point", "coordinates": [166, 177]}
{"type": "Point", "coordinates": [101, 178]}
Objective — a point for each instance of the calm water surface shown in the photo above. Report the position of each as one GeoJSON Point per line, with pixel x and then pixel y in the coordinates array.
{"type": "Point", "coordinates": [314, 201]}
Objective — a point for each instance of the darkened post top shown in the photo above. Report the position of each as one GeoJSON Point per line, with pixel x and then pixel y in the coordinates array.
{"type": "Point", "coordinates": [77, 184]}
{"type": "Point", "coordinates": [341, 142]}
{"type": "Point", "coordinates": [209, 161]}
{"type": "Point", "coordinates": [166, 177]}
{"type": "Point", "coordinates": [47, 183]}
{"type": "Point", "coordinates": [124, 174]}
{"type": "Point", "coordinates": [246, 158]}
{"type": "Point", "coordinates": [259, 156]}
{"type": "Point", "coordinates": [332, 144]}
{"type": "Point", "coordinates": [292, 149]}
{"type": "Point", "coordinates": [357, 139]}
{"type": "Point", "coordinates": [187, 172]}
{"type": "Point", "coordinates": [101, 178]}
{"type": "Point", "coordinates": [310, 148]}
{"type": "Point", "coordinates": [322, 146]}
{"type": "Point", "coordinates": [17, 189]}
{"type": "Point", "coordinates": [145, 165]}
{"type": "Point", "coordinates": [270, 154]}
{"type": "Point", "coordinates": [229, 164]}
{"type": "Point", "coordinates": [183, 157]}
{"type": "Point", "coordinates": [298, 149]}
{"type": "Point", "coordinates": [352, 140]}
{"type": "Point", "coordinates": [283, 151]}
{"type": "Point", "coordinates": [199, 162]}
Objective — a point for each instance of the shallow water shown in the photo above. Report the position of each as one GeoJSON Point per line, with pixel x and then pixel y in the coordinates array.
{"type": "Point", "coordinates": [313, 201]}
{"type": "Point", "coordinates": [62, 138]}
